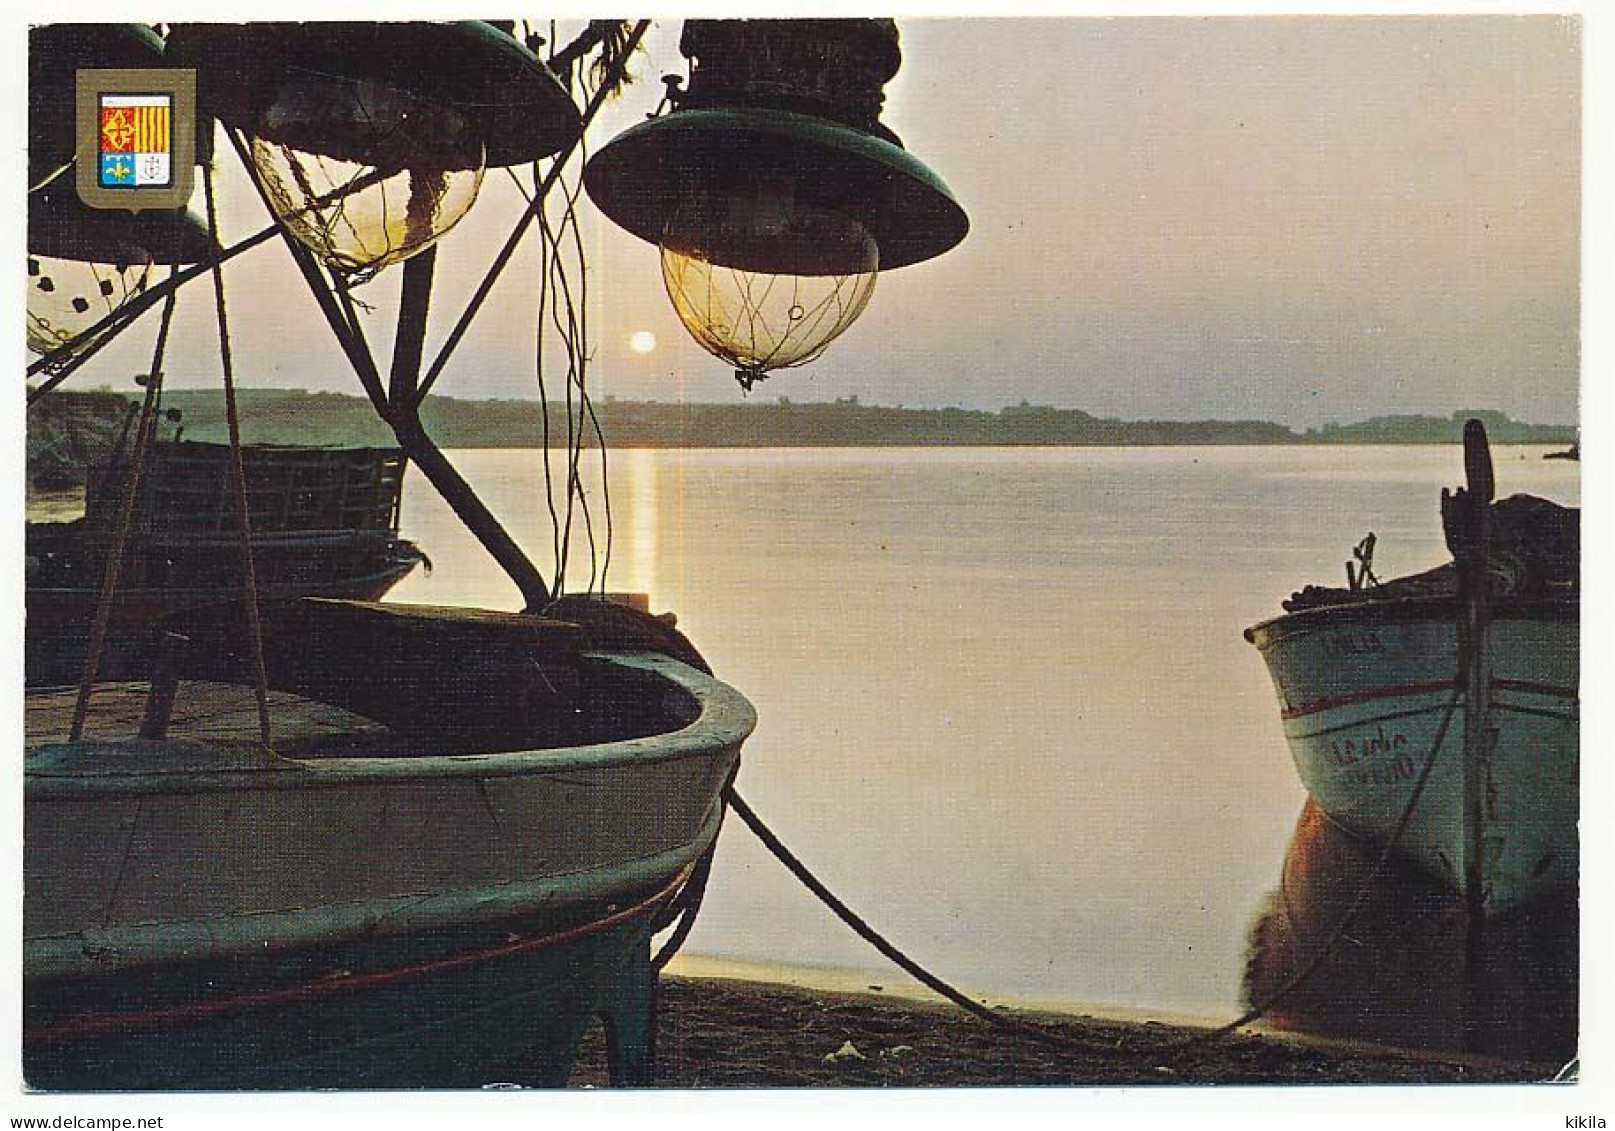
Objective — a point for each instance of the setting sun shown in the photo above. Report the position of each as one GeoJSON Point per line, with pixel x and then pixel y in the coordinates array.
{"type": "Point", "coordinates": [643, 341]}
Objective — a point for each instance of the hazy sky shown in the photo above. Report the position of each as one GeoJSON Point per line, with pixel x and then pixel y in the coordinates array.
{"type": "Point", "coordinates": [1296, 218]}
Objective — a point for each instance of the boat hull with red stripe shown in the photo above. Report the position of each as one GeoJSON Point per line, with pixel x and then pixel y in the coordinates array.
{"type": "Point", "coordinates": [476, 1005]}
{"type": "Point", "coordinates": [1364, 689]}
{"type": "Point", "coordinates": [451, 859]}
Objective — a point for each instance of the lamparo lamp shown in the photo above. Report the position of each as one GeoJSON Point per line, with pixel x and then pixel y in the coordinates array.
{"type": "Point", "coordinates": [84, 263]}
{"type": "Point", "coordinates": [370, 139]}
{"type": "Point", "coordinates": [772, 190]}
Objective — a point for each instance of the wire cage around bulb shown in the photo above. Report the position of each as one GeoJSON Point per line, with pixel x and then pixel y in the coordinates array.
{"type": "Point", "coordinates": [85, 263]}
{"type": "Point", "coordinates": [799, 196]}
{"type": "Point", "coordinates": [762, 316]}
{"type": "Point", "coordinates": [364, 174]}
{"type": "Point", "coordinates": [66, 296]}
{"type": "Point", "coordinates": [370, 139]}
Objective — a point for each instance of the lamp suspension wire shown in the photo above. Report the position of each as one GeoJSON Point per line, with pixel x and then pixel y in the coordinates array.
{"type": "Point", "coordinates": [564, 317]}
{"type": "Point", "coordinates": [502, 258]}
{"type": "Point", "coordinates": [126, 513]}
{"type": "Point", "coordinates": [543, 393]}
{"type": "Point", "coordinates": [562, 311]}
{"type": "Point", "coordinates": [238, 472]}
{"type": "Point", "coordinates": [610, 72]}
{"type": "Point", "coordinates": [578, 360]}
{"type": "Point", "coordinates": [567, 299]}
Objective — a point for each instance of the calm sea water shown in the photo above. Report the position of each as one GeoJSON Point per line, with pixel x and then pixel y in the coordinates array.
{"type": "Point", "coordinates": [1005, 707]}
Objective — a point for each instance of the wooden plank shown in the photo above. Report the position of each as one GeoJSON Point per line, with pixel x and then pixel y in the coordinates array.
{"type": "Point", "coordinates": [203, 711]}
{"type": "Point", "coordinates": [483, 680]}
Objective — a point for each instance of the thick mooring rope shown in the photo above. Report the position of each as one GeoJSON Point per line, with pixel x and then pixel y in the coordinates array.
{"type": "Point", "coordinates": [868, 933]}
{"type": "Point", "coordinates": [1011, 1024]}
{"type": "Point", "coordinates": [1260, 1009]}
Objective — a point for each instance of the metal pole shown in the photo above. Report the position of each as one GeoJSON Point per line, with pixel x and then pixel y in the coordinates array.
{"type": "Point", "coordinates": [401, 415]}
{"type": "Point", "coordinates": [404, 416]}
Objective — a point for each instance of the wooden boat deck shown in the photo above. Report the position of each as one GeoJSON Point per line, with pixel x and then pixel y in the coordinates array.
{"type": "Point", "coordinates": [218, 713]}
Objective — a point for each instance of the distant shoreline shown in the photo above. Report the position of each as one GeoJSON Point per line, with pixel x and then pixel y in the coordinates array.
{"type": "Point", "coordinates": [79, 424]}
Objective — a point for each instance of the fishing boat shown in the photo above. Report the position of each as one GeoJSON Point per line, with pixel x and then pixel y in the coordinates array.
{"type": "Point", "coordinates": [322, 842]}
{"type": "Point", "coordinates": [324, 523]}
{"type": "Point", "coordinates": [1447, 731]}
{"type": "Point", "coordinates": [448, 858]}
{"type": "Point", "coordinates": [332, 843]}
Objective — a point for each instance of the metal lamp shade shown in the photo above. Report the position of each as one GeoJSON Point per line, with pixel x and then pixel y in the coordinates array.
{"type": "Point", "coordinates": [515, 103]}
{"type": "Point", "coordinates": [62, 227]}
{"type": "Point", "coordinates": [641, 178]}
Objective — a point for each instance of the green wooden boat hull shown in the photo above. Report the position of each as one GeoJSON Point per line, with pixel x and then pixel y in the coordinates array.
{"type": "Point", "coordinates": [450, 1009]}
{"type": "Point", "coordinates": [211, 917]}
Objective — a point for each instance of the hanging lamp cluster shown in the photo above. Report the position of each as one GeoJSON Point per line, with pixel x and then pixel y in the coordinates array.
{"type": "Point", "coordinates": [773, 191]}
{"type": "Point", "coordinates": [370, 139]}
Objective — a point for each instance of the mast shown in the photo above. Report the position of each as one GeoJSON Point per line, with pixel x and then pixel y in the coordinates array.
{"type": "Point", "coordinates": [1468, 516]}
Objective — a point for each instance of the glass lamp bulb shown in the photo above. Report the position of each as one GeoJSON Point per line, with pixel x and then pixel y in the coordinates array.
{"type": "Point", "coordinates": [764, 282]}
{"type": "Point", "coordinates": [68, 296]}
{"type": "Point", "coordinates": [363, 174]}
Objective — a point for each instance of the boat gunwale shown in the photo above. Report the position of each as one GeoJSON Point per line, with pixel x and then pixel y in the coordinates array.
{"type": "Point", "coordinates": [97, 951]}
{"type": "Point", "coordinates": [723, 721]}
{"type": "Point", "coordinates": [399, 568]}
{"type": "Point", "coordinates": [312, 538]}
{"type": "Point", "coordinates": [1404, 610]}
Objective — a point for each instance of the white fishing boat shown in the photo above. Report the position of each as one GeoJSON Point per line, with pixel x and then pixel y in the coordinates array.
{"type": "Point", "coordinates": [1371, 684]}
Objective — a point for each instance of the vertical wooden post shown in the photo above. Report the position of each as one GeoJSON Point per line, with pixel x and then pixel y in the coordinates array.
{"type": "Point", "coordinates": [1472, 639]}
{"type": "Point", "coordinates": [164, 686]}
{"type": "Point", "coordinates": [1473, 519]}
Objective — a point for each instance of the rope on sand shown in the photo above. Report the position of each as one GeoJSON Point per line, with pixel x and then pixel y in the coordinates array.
{"type": "Point", "coordinates": [868, 933]}
{"type": "Point", "coordinates": [1010, 1024]}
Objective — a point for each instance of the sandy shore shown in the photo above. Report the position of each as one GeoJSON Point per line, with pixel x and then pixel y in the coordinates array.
{"type": "Point", "coordinates": [721, 1033]}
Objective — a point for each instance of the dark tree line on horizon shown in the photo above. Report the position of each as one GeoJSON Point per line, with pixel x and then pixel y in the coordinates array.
{"type": "Point", "coordinates": [317, 418]}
